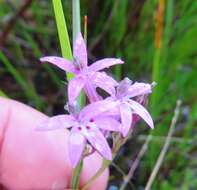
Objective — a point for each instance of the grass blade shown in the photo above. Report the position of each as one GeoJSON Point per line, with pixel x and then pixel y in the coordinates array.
{"type": "Point", "coordinates": [62, 32]}
{"type": "Point", "coordinates": [157, 55]}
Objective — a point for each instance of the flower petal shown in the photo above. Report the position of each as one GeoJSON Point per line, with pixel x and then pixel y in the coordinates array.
{"type": "Point", "coordinates": [142, 112]}
{"type": "Point", "coordinates": [59, 62]}
{"type": "Point", "coordinates": [74, 87]}
{"type": "Point", "coordinates": [94, 109]}
{"type": "Point", "coordinates": [80, 50]}
{"type": "Point", "coordinates": [126, 118]}
{"type": "Point", "coordinates": [107, 123]}
{"type": "Point", "coordinates": [56, 122]}
{"type": "Point", "coordinates": [139, 88]}
{"type": "Point", "coordinates": [76, 145]}
{"type": "Point", "coordinates": [91, 92]}
{"type": "Point", "coordinates": [103, 81]}
{"type": "Point", "coordinates": [104, 63]}
{"type": "Point", "coordinates": [98, 141]}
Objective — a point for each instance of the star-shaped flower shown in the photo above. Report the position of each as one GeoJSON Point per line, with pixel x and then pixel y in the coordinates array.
{"type": "Point", "coordinates": [127, 106]}
{"type": "Point", "coordinates": [86, 77]}
{"type": "Point", "coordinates": [85, 127]}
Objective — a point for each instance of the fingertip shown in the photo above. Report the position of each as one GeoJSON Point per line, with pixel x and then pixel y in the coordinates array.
{"type": "Point", "coordinates": [18, 108]}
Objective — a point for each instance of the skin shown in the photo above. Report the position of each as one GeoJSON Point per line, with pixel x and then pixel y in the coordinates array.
{"type": "Point", "coordinates": [30, 159]}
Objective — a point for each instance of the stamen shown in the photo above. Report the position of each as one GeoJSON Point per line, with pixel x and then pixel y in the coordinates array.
{"type": "Point", "coordinates": [78, 64]}
{"type": "Point", "coordinates": [87, 127]}
{"type": "Point", "coordinates": [79, 128]}
{"type": "Point", "coordinates": [91, 120]}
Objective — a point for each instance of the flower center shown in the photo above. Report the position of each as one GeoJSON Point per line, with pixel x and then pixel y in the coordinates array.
{"type": "Point", "coordinates": [78, 64]}
{"type": "Point", "coordinates": [87, 127]}
{"type": "Point", "coordinates": [79, 128]}
{"type": "Point", "coordinates": [91, 120]}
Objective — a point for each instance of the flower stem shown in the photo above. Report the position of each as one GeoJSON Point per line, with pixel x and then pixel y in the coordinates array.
{"type": "Point", "coordinates": [105, 163]}
{"type": "Point", "coordinates": [67, 54]}
{"type": "Point", "coordinates": [76, 30]}
{"type": "Point", "coordinates": [76, 18]}
{"type": "Point", "coordinates": [76, 175]}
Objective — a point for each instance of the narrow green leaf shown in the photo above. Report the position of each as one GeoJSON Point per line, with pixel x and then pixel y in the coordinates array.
{"type": "Point", "coordinates": [62, 32]}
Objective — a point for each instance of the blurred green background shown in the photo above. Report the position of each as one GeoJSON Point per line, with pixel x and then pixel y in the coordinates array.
{"type": "Point", "coordinates": [158, 41]}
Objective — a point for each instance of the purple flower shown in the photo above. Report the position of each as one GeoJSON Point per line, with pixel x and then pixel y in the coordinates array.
{"type": "Point", "coordinates": [85, 127]}
{"type": "Point", "coordinates": [127, 107]}
{"type": "Point", "coordinates": [86, 77]}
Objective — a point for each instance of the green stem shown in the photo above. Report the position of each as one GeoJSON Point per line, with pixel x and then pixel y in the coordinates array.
{"type": "Point", "coordinates": [76, 175]}
{"type": "Point", "coordinates": [62, 32]}
{"type": "Point", "coordinates": [76, 18]}
{"type": "Point", "coordinates": [76, 30]}
{"type": "Point", "coordinates": [105, 163]}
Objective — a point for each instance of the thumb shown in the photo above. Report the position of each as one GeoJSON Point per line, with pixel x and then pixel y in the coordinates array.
{"type": "Point", "coordinates": [38, 160]}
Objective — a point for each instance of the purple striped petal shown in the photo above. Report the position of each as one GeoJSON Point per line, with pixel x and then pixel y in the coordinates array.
{"type": "Point", "coordinates": [139, 89]}
{"type": "Point", "coordinates": [104, 63]}
{"type": "Point", "coordinates": [142, 112]}
{"type": "Point", "coordinates": [107, 123]}
{"type": "Point", "coordinates": [74, 87]}
{"type": "Point", "coordinates": [59, 62]}
{"type": "Point", "coordinates": [80, 50]}
{"type": "Point", "coordinates": [57, 122]}
{"type": "Point", "coordinates": [91, 92]}
{"type": "Point", "coordinates": [126, 118]}
{"type": "Point", "coordinates": [76, 145]}
{"type": "Point", "coordinates": [94, 109]}
{"type": "Point", "coordinates": [98, 141]}
{"type": "Point", "coordinates": [103, 81]}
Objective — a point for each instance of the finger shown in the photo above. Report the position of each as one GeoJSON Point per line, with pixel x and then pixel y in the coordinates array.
{"type": "Point", "coordinates": [39, 158]}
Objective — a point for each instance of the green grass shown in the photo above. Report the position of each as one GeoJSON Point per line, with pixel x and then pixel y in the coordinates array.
{"type": "Point", "coordinates": [62, 30]}
{"type": "Point", "coordinates": [28, 88]}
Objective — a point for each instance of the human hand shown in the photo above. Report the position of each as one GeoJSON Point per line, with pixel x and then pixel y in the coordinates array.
{"type": "Point", "coordinates": [37, 160]}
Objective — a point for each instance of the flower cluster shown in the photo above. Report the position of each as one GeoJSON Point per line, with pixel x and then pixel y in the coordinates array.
{"type": "Point", "coordinates": [93, 124]}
